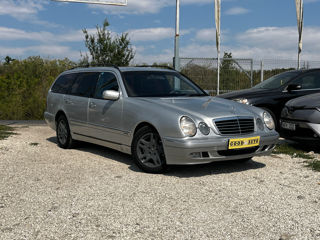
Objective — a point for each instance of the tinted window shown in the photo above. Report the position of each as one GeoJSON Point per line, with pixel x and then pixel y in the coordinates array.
{"type": "Point", "coordinates": [106, 81]}
{"type": "Point", "coordinates": [309, 81]}
{"type": "Point", "coordinates": [277, 80]}
{"type": "Point", "coordinates": [63, 83]}
{"type": "Point", "coordinates": [84, 84]}
{"type": "Point", "coordinates": [159, 84]}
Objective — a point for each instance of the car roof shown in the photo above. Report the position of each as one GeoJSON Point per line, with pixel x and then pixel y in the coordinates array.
{"type": "Point", "coordinates": [122, 69]}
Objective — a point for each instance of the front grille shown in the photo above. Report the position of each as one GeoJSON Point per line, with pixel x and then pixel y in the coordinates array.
{"type": "Point", "coordinates": [234, 152]}
{"type": "Point", "coordinates": [235, 126]}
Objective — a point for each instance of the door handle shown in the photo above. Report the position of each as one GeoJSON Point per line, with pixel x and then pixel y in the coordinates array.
{"type": "Point", "coordinates": [92, 105]}
{"type": "Point", "coordinates": [67, 101]}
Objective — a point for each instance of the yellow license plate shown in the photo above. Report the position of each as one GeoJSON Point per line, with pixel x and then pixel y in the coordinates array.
{"type": "Point", "coordinates": [244, 142]}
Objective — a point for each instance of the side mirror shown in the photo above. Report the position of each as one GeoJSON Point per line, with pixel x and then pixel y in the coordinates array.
{"type": "Point", "coordinates": [292, 87]}
{"type": "Point", "coordinates": [110, 95]}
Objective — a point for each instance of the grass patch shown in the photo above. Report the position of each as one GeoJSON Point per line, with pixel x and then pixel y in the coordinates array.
{"type": "Point", "coordinates": [292, 151]}
{"type": "Point", "coordinates": [314, 165]}
{"type": "Point", "coordinates": [5, 132]}
{"type": "Point", "coordinates": [311, 162]}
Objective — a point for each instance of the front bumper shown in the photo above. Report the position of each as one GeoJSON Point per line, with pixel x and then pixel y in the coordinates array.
{"type": "Point", "coordinates": [304, 131]}
{"type": "Point", "coordinates": [197, 151]}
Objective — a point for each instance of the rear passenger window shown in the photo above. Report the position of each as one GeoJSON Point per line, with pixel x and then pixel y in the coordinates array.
{"type": "Point", "coordinates": [106, 81]}
{"type": "Point", "coordinates": [84, 84]}
{"type": "Point", "coordinates": [63, 83]}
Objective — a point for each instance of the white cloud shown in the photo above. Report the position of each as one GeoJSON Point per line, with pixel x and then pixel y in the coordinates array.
{"type": "Point", "coordinates": [22, 8]}
{"type": "Point", "coordinates": [144, 6]}
{"type": "Point", "coordinates": [150, 34]}
{"type": "Point", "coordinates": [282, 38]}
{"type": "Point", "coordinates": [237, 11]}
{"type": "Point", "coordinates": [47, 51]}
{"type": "Point", "coordinates": [43, 36]}
{"type": "Point", "coordinates": [207, 34]}
{"type": "Point", "coordinates": [153, 34]}
{"type": "Point", "coordinates": [25, 10]}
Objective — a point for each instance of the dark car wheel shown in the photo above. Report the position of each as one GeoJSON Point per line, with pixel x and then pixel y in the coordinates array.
{"type": "Point", "coordinates": [63, 133]}
{"type": "Point", "coordinates": [147, 150]}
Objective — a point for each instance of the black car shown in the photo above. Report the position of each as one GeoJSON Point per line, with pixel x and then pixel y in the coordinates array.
{"type": "Point", "coordinates": [300, 118]}
{"type": "Point", "coordinates": [273, 93]}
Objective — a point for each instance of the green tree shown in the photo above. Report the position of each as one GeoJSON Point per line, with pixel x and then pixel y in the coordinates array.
{"type": "Point", "coordinates": [8, 60]}
{"type": "Point", "coordinates": [106, 49]}
{"type": "Point", "coordinates": [227, 62]}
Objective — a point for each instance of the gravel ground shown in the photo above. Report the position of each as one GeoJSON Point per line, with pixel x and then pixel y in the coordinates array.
{"type": "Point", "coordinates": [93, 192]}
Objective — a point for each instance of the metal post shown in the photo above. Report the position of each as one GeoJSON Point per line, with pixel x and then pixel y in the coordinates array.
{"type": "Point", "coordinates": [218, 67]}
{"type": "Point", "coordinates": [261, 70]}
{"type": "Point", "coordinates": [251, 73]}
{"type": "Point", "coordinates": [176, 38]}
{"type": "Point", "coordinates": [298, 60]}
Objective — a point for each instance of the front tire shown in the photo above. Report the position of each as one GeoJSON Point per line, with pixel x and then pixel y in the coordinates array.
{"type": "Point", "coordinates": [64, 137]}
{"type": "Point", "coordinates": [147, 151]}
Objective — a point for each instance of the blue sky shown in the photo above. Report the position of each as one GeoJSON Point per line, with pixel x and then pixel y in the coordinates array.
{"type": "Point", "coordinates": [259, 29]}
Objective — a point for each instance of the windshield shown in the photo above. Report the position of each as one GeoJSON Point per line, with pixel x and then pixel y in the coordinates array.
{"type": "Point", "coordinates": [277, 80]}
{"type": "Point", "coordinates": [159, 84]}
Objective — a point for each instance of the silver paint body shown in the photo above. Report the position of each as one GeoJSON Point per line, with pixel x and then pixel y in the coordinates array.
{"type": "Point", "coordinates": [113, 123]}
{"type": "Point", "coordinates": [304, 112]}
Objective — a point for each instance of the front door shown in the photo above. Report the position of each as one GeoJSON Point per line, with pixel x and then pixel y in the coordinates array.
{"type": "Point", "coordinates": [105, 116]}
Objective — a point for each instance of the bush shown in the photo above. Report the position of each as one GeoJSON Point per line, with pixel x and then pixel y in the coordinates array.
{"type": "Point", "coordinates": [24, 85]}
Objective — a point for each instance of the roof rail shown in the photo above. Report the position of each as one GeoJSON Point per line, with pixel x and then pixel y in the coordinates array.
{"type": "Point", "coordinates": [95, 65]}
{"type": "Point", "coordinates": [156, 66]}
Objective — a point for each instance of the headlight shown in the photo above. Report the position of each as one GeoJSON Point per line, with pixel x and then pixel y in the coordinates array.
{"type": "Point", "coordinates": [242, 100]}
{"type": "Point", "coordinates": [188, 127]}
{"type": "Point", "coordinates": [260, 124]}
{"type": "Point", "coordinates": [204, 128]}
{"type": "Point", "coordinates": [268, 120]}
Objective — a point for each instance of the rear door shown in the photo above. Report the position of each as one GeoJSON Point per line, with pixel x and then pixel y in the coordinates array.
{"type": "Point", "coordinates": [76, 102]}
{"type": "Point", "coordinates": [105, 116]}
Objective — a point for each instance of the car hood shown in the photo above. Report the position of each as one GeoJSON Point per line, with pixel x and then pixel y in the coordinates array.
{"type": "Point", "coordinates": [212, 107]}
{"type": "Point", "coordinates": [308, 101]}
{"type": "Point", "coordinates": [247, 93]}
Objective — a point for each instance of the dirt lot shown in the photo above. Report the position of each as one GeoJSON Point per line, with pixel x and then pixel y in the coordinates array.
{"type": "Point", "coordinates": [93, 192]}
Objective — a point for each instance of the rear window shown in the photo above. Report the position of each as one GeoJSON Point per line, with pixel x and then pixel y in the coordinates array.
{"type": "Point", "coordinates": [63, 83]}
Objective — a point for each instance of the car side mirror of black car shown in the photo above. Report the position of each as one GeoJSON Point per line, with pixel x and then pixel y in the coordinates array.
{"type": "Point", "coordinates": [292, 87]}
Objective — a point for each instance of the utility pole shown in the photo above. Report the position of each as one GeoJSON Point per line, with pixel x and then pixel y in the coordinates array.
{"type": "Point", "coordinates": [176, 38]}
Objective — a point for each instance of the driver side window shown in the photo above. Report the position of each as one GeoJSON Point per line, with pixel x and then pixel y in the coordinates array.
{"type": "Point", "coordinates": [309, 81]}
{"type": "Point", "coordinates": [106, 81]}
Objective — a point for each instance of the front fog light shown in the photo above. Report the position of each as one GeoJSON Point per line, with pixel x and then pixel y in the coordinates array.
{"type": "Point", "coordinates": [268, 120]}
{"type": "Point", "coordinates": [260, 124]}
{"type": "Point", "coordinates": [204, 128]}
{"type": "Point", "coordinates": [188, 127]}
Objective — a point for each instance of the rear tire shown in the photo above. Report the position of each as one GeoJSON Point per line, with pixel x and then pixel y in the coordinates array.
{"type": "Point", "coordinates": [64, 137]}
{"type": "Point", "coordinates": [147, 151]}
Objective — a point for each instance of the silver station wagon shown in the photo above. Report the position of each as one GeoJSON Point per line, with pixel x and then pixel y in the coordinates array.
{"type": "Point", "coordinates": [158, 116]}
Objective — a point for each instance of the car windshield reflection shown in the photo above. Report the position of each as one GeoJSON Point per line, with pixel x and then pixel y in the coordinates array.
{"type": "Point", "coordinates": [160, 84]}
{"type": "Point", "coordinates": [277, 80]}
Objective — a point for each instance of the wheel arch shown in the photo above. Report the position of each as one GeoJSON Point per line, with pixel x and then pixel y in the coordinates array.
{"type": "Point", "coordinates": [141, 125]}
{"type": "Point", "coordinates": [58, 114]}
